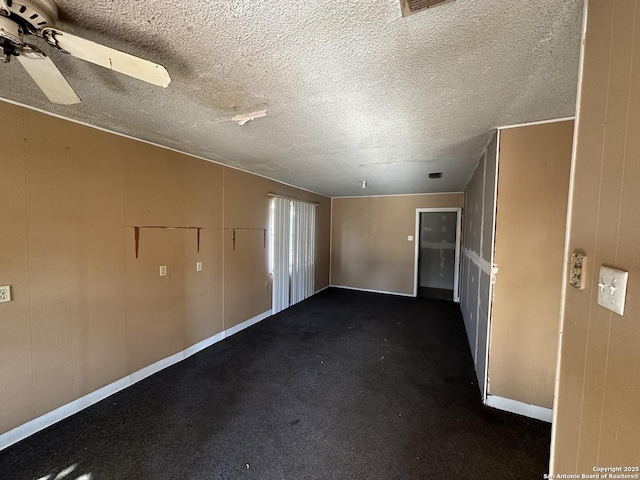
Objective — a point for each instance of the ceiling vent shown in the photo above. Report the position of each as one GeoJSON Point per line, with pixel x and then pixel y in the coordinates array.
{"type": "Point", "coordinates": [409, 7]}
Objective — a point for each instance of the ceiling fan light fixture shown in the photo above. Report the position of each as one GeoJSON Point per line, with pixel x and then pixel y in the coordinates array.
{"type": "Point", "coordinates": [21, 18]}
{"type": "Point", "coordinates": [37, 13]}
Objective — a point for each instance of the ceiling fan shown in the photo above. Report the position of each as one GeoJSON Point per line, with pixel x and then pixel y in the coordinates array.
{"type": "Point", "coordinates": [20, 18]}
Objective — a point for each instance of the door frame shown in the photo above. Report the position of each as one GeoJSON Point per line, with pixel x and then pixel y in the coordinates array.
{"type": "Point", "coordinates": [416, 241]}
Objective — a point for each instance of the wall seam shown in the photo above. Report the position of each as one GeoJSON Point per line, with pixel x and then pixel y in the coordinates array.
{"type": "Point", "coordinates": [222, 247]}
{"type": "Point", "coordinates": [26, 200]}
{"type": "Point", "coordinates": [70, 293]}
{"type": "Point", "coordinates": [331, 220]}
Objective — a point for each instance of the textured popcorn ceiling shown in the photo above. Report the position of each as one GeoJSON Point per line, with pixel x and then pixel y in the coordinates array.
{"type": "Point", "coordinates": [352, 90]}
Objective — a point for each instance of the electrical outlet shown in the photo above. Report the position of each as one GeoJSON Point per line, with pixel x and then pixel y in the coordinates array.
{"type": "Point", "coordinates": [5, 293]}
{"type": "Point", "coordinates": [163, 270]}
{"type": "Point", "coordinates": [576, 275]}
{"type": "Point", "coordinates": [198, 266]}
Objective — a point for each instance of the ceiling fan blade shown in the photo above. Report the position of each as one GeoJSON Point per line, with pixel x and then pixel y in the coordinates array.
{"type": "Point", "coordinates": [49, 79]}
{"type": "Point", "coordinates": [107, 57]}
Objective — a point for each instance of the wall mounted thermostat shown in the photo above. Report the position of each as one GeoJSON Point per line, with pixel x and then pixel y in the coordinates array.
{"type": "Point", "coordinates": [576, 275]}
{"type": "Point", "coordinates": [612, 289]}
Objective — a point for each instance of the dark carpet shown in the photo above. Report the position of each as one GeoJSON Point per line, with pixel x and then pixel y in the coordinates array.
{"type": "Point", "coordinates": [345, 385]}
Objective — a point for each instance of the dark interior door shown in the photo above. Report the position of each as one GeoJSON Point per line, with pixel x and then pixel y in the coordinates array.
{"type": "Point", "coordinates": [436, 254]}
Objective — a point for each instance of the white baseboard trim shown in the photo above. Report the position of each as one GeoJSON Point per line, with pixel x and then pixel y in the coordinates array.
{"type": "Point", "coordinates": [25, 430]}
{"type": "Point", "coordinates": [193, 349]}
{"type": "Point", "coordinates": [525, 409]}
{"type": "Point", "coordinates": [247, 323]}
{"type": "Point", "coordinates": [145, 372]}
{"type": "Point", "coordinates": [322, 289]}
{"type": "Point", "coordinates": [373, 291]}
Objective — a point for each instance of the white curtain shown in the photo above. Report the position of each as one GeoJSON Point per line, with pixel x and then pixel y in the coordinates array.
{"type": "Point", "coordinates": [280, 224]}
{"type": "Point", "coordinates": [293, 251]}
{"type": "Point", "coordinates": [303, 251]}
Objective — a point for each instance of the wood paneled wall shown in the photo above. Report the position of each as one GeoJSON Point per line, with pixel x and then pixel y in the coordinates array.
{"type": "Point", "coordinates": [85, 311]}
{"type": "Point", "coordinates": [533, 186]}
{"type": "Point", "coordinates": [598, 404]}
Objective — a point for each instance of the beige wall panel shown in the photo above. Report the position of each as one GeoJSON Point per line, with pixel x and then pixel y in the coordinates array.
{"type": "Point", "coordinates": [48, 207]}
{"type": "Point", "coordinates": [203, 290]}
{"type": "Point", "coordinates": [323, 244]}
{"type": "Point", "coordinates": [619, 423]}
{"type": "Point", "coordinates": [260, 280]}
{"type": "Point", "coordinates": [246, 204]}
{"type": "Point", "coordinates": [154, 185]}
{"type": "Point", "coordinates": [583, 236]}
{"type": "Point", "coordinates": [81, 268]}
{"type": "Point", "coordinates": [203, 193]}
{"type": "Point", "coordinates": [622, 390]}
{"type": "Point", "coordinates": [106, 346]}
{"type": "Point", "coordinates": [530, 230]}
{"type": "Point", "coordinates": [605, 204]}
{"type": "Point", "coordinates": [369, 240]}
{"type": "Point", "coordinates": [246, 276]}
{"type": "Point", "coordinates": [96, 256]}
{"type": "Point", "coordinates": [608, 228]}
{"type": "Point", "coordinates": [16, 394]}
{"type": "Point", "coordinates": [571, 391]}
{"type": "Point", "coordinates": [155, 305]}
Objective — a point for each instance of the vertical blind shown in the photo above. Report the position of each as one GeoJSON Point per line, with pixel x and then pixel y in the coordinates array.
{"type": "Point", "coordinates": [303, 251]}
{"type": "Point", "coordinates": [280, 220]}
{"type": "Point", "coordinates": [293, 251]}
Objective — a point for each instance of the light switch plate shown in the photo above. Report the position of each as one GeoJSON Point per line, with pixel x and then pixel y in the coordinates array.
{"type": "Point", "coordinates": [612, 289]}
{"type": "Point", "coordinates": [163, 270]}
{"type": "Point", "coordinates": [198, 266]}
{"type": "Point", "coordinates": [410, 238]}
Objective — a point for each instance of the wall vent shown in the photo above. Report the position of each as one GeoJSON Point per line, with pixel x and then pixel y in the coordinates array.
{"type": "Point", "coordinates": [409, 7]}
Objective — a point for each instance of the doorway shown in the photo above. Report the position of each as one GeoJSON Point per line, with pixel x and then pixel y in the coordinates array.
{"type": "Point", "coordinates": [437, 253]}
